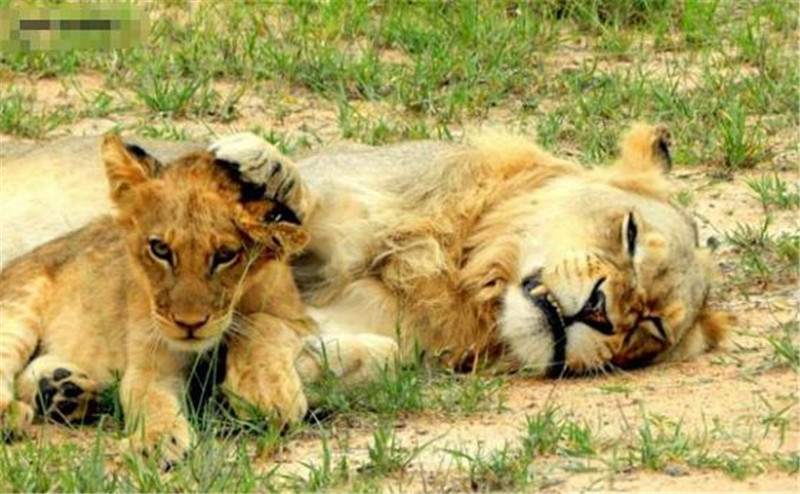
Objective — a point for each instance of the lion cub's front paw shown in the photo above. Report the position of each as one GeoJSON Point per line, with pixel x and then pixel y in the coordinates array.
{"type": "Point", "coordinates": [166, 441]}
{"type": "Point", "coordinates": [15, 420]}
{"type": "Point", "coordinates": [279, 395]}
{"type": "Point", "coordinates": [260, 163]}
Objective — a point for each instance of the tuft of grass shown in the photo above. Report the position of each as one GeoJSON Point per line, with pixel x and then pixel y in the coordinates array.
{"type": "Point", "coordinates": [763, 256]}
{"type": "Point", "coordinates": [412, 387]}
{"type": "Point", "coordinates": [742, 147]}
{"type": "Point", "coordinates": [699, 22]}
{"type": "Point", "coordinates": [386, 455]}
{"type": "Point", "coordinates": [101, 105]}
{"type": "Point", "coordinates": [20, 117]}
{"type": "Point", "coordinates": [785, 349]}
{"type": "Point", "coordinates": [685, 198]}
{"type": "Point", "coordinates": [163, 129]}
{"type": "Point", "coordinates": [167, 96]}
{"type": "Point", "coordinates": [773, 191]}
{"type": "Point", "coordinates": [657, 446]}
{"type": "Point", "coordinates": [548, 432]}
{"type": "Point", "coordinates": [319, 477]}
{"type": "Point", "coordinates": [505, 469]}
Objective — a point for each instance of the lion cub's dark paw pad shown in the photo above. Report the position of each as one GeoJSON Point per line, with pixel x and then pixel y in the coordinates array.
{"type": "Point", "coordinates": [65, 396]}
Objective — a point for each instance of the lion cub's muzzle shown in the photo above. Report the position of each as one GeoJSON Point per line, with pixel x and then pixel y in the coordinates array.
{"type": "Point", "coordinates": [193, 333]}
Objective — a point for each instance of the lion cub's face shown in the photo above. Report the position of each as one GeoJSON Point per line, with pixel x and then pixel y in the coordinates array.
{"type": "Point", "coordinates": [194, 243]}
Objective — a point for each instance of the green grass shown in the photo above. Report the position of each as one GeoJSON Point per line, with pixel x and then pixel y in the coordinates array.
{"type": "Point", "coordinates": [763, 256]}
{"type": "Point", "coordinates": [656, 443]}
{"type": "Point", "coordinates": [414, 387]}
{"type": "Point", "coordinates": [428, 69]}
{"type": "Point", "coordinates": [724, 75]}
{"type": "Point", "coordinates": [223, 458]}
{"type": "Point", "coordinates": [773, 191]}
{"type": "Point", "coordinates": [546, 433]}
{"type": "Point", "coordinates": [19, 116]}
{"type": "Point", "coordinates": [785, 348]}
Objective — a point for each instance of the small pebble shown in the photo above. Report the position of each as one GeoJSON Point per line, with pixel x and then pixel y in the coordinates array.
{"type": "Point", "coordinates": [675, 471]}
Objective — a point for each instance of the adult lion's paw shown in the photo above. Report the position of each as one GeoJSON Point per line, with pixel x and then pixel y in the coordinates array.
{"type": "Point", "coordinates": [168, 441]}
{"type": "Point", "coordinates": [261, 164]}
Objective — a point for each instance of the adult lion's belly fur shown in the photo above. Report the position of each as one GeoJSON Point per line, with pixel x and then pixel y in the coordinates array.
{"type": "Point", "coordinates": [435, 242]}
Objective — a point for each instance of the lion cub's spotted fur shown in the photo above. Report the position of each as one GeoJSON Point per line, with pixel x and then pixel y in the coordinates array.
{"type": "Point", "coordinates": [193, 255]}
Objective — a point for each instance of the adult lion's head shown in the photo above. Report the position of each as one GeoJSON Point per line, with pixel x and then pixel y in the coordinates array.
{"type": "Point", "coordinates": [610, 272]}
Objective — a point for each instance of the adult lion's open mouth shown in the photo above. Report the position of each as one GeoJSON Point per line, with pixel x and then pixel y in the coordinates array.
{"type": "Point", "coordinates": [541, 297]}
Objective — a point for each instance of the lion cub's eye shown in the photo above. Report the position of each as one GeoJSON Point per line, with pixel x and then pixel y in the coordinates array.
{"type": "Point", "coordinates": [225, 256]}
{"type": "Point", "coordinates": [160, 250]}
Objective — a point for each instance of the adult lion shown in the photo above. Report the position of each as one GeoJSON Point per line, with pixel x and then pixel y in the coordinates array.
{"type": "Point", "coordinates": [493, 250]}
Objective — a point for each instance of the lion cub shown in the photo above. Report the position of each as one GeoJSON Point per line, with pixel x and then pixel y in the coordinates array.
{"type": "Point", "coordinates": [194, 254]}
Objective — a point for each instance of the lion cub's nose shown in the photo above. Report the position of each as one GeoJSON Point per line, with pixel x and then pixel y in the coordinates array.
{"type": "Point", "coordinates": [188, 323]}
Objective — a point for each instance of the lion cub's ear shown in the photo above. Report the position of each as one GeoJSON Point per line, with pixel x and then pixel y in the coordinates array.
{"type": "Point", "coordinates": [126, 167]}
{"type": "Point", "coordinates": [645, 148]}
{"type": "Point", "coordinates": [274, 226]}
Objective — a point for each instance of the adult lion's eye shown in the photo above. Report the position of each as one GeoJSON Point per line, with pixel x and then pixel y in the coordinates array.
{"type": "Point", "coordinates": [631, 232]}
{"type": "Point", "coordinates": [225, 256]}
{"type": "Point", "coordinates": [160, 250]}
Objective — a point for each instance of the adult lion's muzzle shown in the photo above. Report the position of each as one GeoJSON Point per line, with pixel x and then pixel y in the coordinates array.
{"type": "Point", "coordinates": [540, 296]}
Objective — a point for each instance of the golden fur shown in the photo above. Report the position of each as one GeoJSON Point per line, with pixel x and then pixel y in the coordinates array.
{"type": "Point", "coordinates": [187, 260]}
{"type": "Point", "coordinates": [479, 251]}
{"type": "Point", "coordinates": [494, 250]}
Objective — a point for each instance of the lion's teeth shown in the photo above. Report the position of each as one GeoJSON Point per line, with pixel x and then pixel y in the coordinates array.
{"type": "Point", "coordinates": [539, 291]}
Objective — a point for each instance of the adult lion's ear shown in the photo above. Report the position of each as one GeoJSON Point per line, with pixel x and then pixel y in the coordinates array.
{"type": "Point", "coordinates": [643, 163]}
{"type": "Point", "coordinates": [645, 148]}
{"type": "Point", "coordinates": [126, 167]}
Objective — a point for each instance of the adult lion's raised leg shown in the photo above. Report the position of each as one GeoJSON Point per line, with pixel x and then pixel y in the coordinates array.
{"type": "Point", "coordinates": [353, 357]}
{"type": "Point", "coordinates": [260, 163]}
